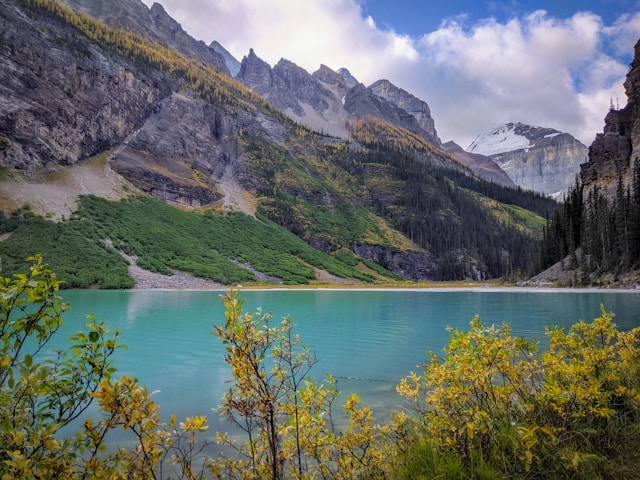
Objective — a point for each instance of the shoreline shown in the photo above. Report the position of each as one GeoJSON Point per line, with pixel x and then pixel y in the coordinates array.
{"type": "Point", "coordinates": [146, 280]}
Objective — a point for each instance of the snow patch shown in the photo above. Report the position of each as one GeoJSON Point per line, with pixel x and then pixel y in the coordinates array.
{"type": "Point", "coordinates": [499, 139]}
{"type": "Point", "coordinates": [551, 135]}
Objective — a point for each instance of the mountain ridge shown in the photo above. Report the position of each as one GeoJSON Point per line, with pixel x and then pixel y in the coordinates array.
{"type": "Point", "coordinates": [183, 130]}
{"type": "Point", "coordinates": [537, 158]}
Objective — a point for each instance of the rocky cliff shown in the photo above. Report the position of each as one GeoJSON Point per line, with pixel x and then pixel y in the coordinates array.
{"type": "Point", "coordinates": [614, 154]}
{"type": "Point", "coordinates": [328, 101]}
{"type": "Point", "coordinates": [536, 158]}
{"type": "Point", "coordinates": [153, 23]}
{"type": "Point", "coordinates": [313, 100]}
{"type": "Point", "coordinates": [232, 62]}
{"type": "Point", "coordinates": [415, 107]}
{"type": "Point", "coordinates": [64, 99]}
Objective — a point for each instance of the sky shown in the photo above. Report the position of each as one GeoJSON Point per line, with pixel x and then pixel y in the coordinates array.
{"type": "Point", "coordinates": [477, 63]}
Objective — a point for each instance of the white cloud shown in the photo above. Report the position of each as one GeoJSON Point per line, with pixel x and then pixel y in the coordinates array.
{"type": "Point", "coordinates": [534, 69]}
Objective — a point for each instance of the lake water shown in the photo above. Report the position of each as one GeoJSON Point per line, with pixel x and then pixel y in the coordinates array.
{"type": "Point", "coordinates": [367, 339]}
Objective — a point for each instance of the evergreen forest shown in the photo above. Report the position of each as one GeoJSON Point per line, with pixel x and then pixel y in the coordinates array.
{"type": "Point", "coordinates": [599, 234]}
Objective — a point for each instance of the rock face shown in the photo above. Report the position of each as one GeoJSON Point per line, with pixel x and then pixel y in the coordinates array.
{"type": "Point", "coordinates": [615, 153]}
{"type": "Point", "coordinates": [415, 265]}
{"type": "Point", "coordinates": [64, 100]}
{"type": "Point", "coordinates": [153, 23]}
{"type": "Point", "coordinates": [481, 165]}
{"type": "Point", "coordinates": [388, 102]}
{"type": "Point", "coordinates": [328, 101]}
{"type": "Point", "coordinates": [536, 158]}
{"type": "Point", "coordinates": [232, 62]}
{"type": "Point", "coordinates": [313, 100]}
{"type": "Point", "coordinates": [59, 105]}
{"type": "Point", "coordinates": [415, 107]}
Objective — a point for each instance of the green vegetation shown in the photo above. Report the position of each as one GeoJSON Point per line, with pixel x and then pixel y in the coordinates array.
{"type": "Point", "coordinates": [79, 261]}
{"type": "Point", "coordinates": [163, 238]}
{"type": "Point", "coordinates": [334, 196]}
{"type": "Point", "coordinates": [439, 210]}
{"type": "Point", "coordinates": [602, 234]}
{"type": "Point", "coordinates": [388, 194]}
{"type": "Point", "coordinates": [492, 407]}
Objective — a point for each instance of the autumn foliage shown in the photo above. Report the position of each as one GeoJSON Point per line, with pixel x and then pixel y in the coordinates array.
{"type": "Point", "coordinates": [491, 406]}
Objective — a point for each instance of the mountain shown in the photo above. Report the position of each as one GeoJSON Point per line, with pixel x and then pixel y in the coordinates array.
{"type": "Point", "coordinates": [595, 238]}
{"type": "Point", "coordinates": [313, 100]}
{"type": "Point", "coordinates": [329, 101]}
{"type": "Point", "coordinates": [89, 112]}
{"type": "Point", "coordinates": [614, 153]}
{"type": "Point", "coordinates": [153, 23]}
{"type": "Point", "coordinates": [415, 107]}
{"type": "Point", "coordinates": [232, 62]}
{"type": "Point", "coordinates": [481, 165]}
{"type": "Point", "coordinates": [535, 158]}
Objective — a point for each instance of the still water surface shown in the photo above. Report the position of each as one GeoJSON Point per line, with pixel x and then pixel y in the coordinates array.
{"type": "Point", "coordinates": [367, 339]}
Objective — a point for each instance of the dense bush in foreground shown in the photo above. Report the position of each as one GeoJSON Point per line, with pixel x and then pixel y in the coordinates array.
{"type": "Point", "coordinates": [492, 407]}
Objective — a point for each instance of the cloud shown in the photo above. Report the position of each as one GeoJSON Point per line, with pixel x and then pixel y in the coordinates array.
{"type": "Point", "coordinates": [535, 68]}
{"type": "Point", "coordinates": [309, 33]}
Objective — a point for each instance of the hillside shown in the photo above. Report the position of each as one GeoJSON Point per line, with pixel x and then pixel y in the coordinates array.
{"type": "Point", "coordinates": [89, 110]}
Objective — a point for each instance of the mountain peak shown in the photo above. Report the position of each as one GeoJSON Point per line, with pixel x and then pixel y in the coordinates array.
{"type": "Point", "coordinates": [537, 158]}
{"type": "Point", "coordinates": [232, 62]}
{"type": "Point", "coordinates": [346, 74]}
{"type": "Point", "coordinates": [153, 23]}
{"type": "Point", "coordinates": [499, 139]}
{"type": "Point", "coordinates": [415, 107]}
{"type": "Point", "coordinates": [615, 152]}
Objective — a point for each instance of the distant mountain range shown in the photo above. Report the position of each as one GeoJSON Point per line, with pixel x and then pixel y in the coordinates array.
{"type": "Point", "coordinates": [327, 101]}
{"type": "Point", "coordinates": [345, 167]}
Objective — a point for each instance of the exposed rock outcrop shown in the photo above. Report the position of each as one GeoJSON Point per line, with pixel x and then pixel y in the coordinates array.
{"type": "Point", "coordinates": [64, 99]}
{"type": "Point", "coordinates": [361, 101]}
{"type": "Point", "coordinates": [61, 98]}
{"type": "Point", "coordinates": [327, 101]}
{"type": "Point", "coordinates": [153, 23]}
{"type": "Point", "coordinates": [415, 107]}
{"type": "Point", "coordinates": [615, 152]}
{"type": "Point", "coordinates": [232, 62]}
{"type": "Point", "coordinates": [415, 265]}
{"type": "Point", "coordinates": [536, 158]}
{"type": "Point", "coordinates": [481, 165]}
{"type": "Point", "coordinates": [313, 100]}
{"type": "Point", "coordinates": [350, 80]}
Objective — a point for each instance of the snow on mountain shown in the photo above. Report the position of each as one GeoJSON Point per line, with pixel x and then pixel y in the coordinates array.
{"type": "Point", "coordinates": [500, 139]}
{"type": "Point", "coordinates": [536, 158]}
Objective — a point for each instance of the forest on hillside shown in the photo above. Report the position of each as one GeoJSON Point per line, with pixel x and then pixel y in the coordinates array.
{"type": "Point", "coordinates": [600, 235]}
{"type": "Point", "coordinates": [387, 195]}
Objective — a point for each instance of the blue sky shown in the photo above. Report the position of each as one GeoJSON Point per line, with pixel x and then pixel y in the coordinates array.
{"type": "Point", "coordinates": [476, 63]}
{"type": "Point", "coordinates": [412, 17]}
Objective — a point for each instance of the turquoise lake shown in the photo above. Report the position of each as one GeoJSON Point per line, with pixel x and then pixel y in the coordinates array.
{"type": "Point", "coordinates": [367, 339]}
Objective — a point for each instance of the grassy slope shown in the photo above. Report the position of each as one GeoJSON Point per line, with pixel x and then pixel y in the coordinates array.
{"type": "Point", "coordinates": [164, 239]}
